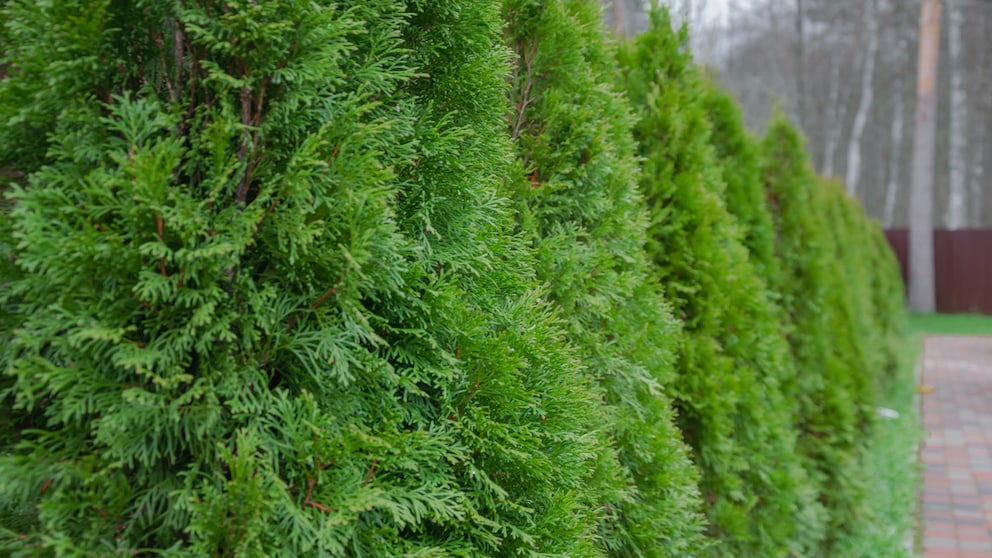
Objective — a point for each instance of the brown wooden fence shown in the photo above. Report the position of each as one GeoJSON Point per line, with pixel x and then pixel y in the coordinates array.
{"type": "Point", "coordinates": [963, 266]}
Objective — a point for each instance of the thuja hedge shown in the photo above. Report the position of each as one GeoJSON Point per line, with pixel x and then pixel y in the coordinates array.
{"type": "Point", "coordinates": [739, 160]}
{"type": "Point", "coordinates": [839, 289]}
{"type": "Point", "coordinates": [410, 278]}
{"type": "Point", "coordinates": [576, 194]}
{"type": "Point", "coordinates": [265, 300]}
{"type": "Point", "coordinates": [734, 361]}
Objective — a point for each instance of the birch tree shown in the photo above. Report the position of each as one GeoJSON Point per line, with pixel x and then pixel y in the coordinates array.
{"type": "Point", "coordinates": [957, 192]}
{"type": "Point", "coordinates": [980, 145]}
{"type": "Point", "coordinates": [833, 126]}
{"type": "Point", "coordinates": [867, 92]}
{"type": "Point", "coordinates": [921, 274]}
{"type": "Point", "coordinates": [893, 174]}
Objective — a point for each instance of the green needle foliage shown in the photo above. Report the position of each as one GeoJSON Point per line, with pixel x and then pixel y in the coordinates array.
{"type": "Point", "coordinates": [259, 297]}
{"type": "Point", "coordinates": [838, 288]}
{"type": "Point", "coordinates": [293, 278]}
{"type": "Point", "coordinates": [739, 158]}
{"type": "Point", "coordinates": [868, 320]}
{"type": "Point", "coordinates": [734, 360]}
{"type": "Point", "coordinates": [889, 296]}
{"type": "Point", "coordinates": [577, 199]}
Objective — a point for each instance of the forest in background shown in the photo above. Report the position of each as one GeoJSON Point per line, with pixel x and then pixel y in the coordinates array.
{"type": "Point", "coordinates": [845, 73]}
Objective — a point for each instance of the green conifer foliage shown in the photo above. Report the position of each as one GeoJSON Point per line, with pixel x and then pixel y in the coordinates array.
{"type": "Point", "coordinates": [258, 296]}
{"type": "Point", "coordinates": [577, 198]}
{"type": "Point", "coordinates": [734, 359]}
{"type": "Point", "coordinates": [827, 261]}
{"type": "Point", "coordinates": [889, 296]}
{"type": "Point", "coordinates": [851, 256]}
{"type": "Point", "coordinates": [739, 159]}
{"type": "Point", "coordinates": [870, 283]}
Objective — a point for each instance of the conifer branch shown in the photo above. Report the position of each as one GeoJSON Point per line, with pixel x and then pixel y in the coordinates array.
{"type": "Point", "coordinates": [465, 400]}
{"type": "Point", "coordinates": [179, 44]}
{"type": "Point", "coordinates": [149, 306]}
{"type": "Point", "coordinates": [333, 290]}
{"type": "Point", "coordinates": [172, 85]}
{"type": "Point", "coordinates": [321, 465]}
{"type": "Point", "coordinates": [534, 180]}
{"type": "Point", "coordinates": [6, 172]}
{"type": "Point", "coordinates": [251, 118]}
{"type": "Point", "coordinates": [526, 56]}
{"type": "Point", "coordinates": [294, 319]}
{"type": "Point", "coordinates": [371, 473]}
{"type": "Point", "coordinates": [194, 73]}
{"type": "Point", "coordinates": [308, 501]}
{"type": "Point", "coordinates": [246, 103]}
{"type": "Point", "coordinates": [160, 227]}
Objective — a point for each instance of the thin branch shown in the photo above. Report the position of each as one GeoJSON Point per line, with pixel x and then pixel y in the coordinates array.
{"type": "Point", "coordinates": [160, 227]}
{"type": "Point", "coordinates": [371, 473]}
{"type": "Point", "coordinates": [310, 502]}
{"type": "Point", "coordinates": [526, 55]}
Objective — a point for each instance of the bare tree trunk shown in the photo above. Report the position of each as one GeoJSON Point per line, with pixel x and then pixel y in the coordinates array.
{"type": "Point", "coordinates": [958, 133]}
{"type": "Point", "coordinates": [895, 155]}
{"type": "Point", "coordinates": [834, 125]}
{"type": "Point", "coordinates": [978, 176]}
{"type": "Point", "coordinates": [922, 296]}
{"type": "Point", "coordinates": [983, 106]}
{"type": "Point", "coordinates": [867, 91]}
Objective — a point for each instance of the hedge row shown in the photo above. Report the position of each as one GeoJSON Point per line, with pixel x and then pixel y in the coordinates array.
{"type": "Point", "coordinates": [409, 278]}
{"type": "Point", "coordinates": [734, 362]}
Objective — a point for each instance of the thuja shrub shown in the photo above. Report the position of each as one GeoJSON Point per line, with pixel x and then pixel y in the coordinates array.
{"type": "Point", "coordinates": [821, 281]}
{"type": "Point", "coordinates": [889, 296]}
{"type": "Point", "coordinates": [871, 286]}
{"type": "Point", "coordinates": [873, 283]}
{"type": "Point", "coordinates": [734, 359]}
{"type": "Point", "coordinates": [577, 200]}
{"type": "Point", "coordinates": [739, 160]}
{"type": "Point", "coordinates": [851, 256]}
{"type": "Point", "coordinates": [258, 296]}
{"type": "Point", "coordinates": [856, 342]}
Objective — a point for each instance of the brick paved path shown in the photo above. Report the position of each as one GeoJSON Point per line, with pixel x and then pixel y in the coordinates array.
{"type": "Point", "coordinates": [957, 454]}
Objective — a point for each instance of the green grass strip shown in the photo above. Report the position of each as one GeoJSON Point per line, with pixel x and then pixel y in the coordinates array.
{"type": "Point", "coordinates": [950, 324]}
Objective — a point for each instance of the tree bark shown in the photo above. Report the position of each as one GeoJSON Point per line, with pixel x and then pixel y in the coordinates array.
{"type": "Point", "coordinates": [922, 296]}
{"type": "Point", "coordinates": [895, 155]}
{"type": "Point", "coordinates": [867, 92]}
{"type": "Point", "coordinates": [983, 104]}
{"type": "Point", "coordinates": [977, 177]}
{"type": "Point", "coordinates": [834, 125]}
{"type": "Point", "coordinates": [957, 192]}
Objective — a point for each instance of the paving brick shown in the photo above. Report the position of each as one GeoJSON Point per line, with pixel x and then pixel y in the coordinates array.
{"type": "Point", "coordinates": [940, 542]}
{"type": "Point", "coordinates": [957, 453]}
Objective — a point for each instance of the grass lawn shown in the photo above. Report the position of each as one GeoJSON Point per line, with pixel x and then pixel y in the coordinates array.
{"type": "Point", "coordinates": [950, 324]}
